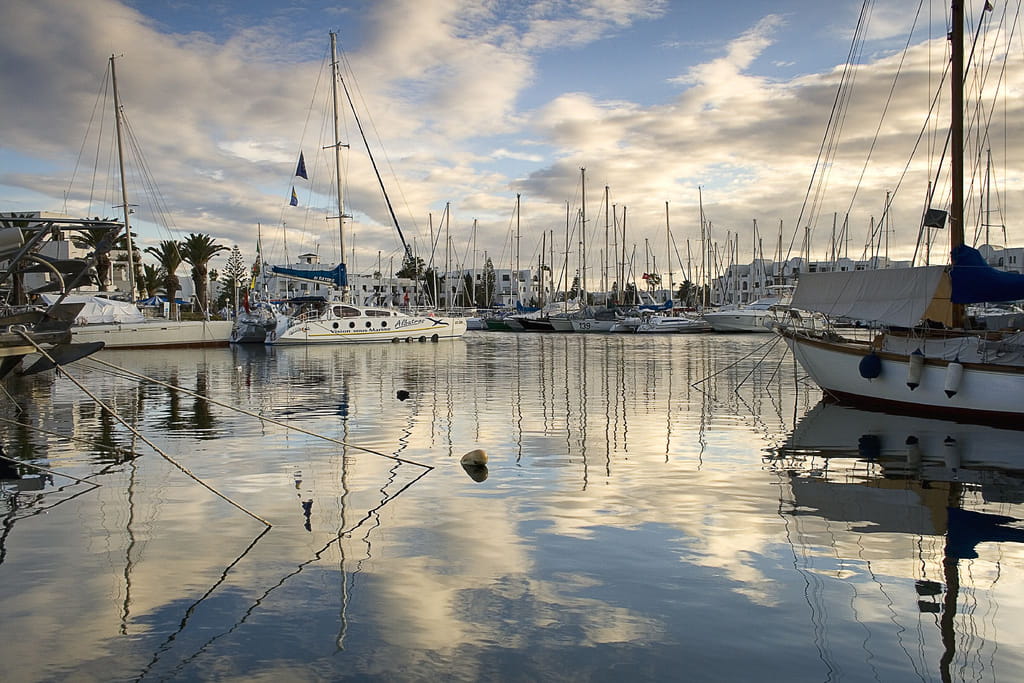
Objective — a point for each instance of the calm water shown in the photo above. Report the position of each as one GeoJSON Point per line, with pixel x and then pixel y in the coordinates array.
{"type": "Point", "coordinates": [654, 508]}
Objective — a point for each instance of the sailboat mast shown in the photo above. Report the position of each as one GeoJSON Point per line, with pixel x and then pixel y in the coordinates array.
{"type": "Point", "coordinates": [956, 217]}
{"type": "Point", "coordinates": [337, 156]}
{"type": "Point", "coordinates": [124, 181]}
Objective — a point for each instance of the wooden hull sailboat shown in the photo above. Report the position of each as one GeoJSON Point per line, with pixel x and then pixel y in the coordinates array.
{"type": "Point", "coordinates": [919, 356]}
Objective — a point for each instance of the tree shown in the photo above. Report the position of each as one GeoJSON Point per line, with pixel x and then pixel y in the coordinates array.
{"type": "Point", "coordinates": [168, 255]}
{"type": "Point", "coordinates": [629, 293]}
{"type": "Point", "coordinates": [99, 241]}
{"type": "Point", "coordinates": [485, 292]}
{"type": "Point", "coordinates": [232, 278]}
{"type": "Point", "coordinates": [152, 277]}
{"type": "Point", "coordinates": [433, 285]}
{"type": "Point", "coordinates": [466, 295]}
{"type": "Point", "coordinates": [412, 268]}
{"type": "Point", "coordinates": [196, 250]}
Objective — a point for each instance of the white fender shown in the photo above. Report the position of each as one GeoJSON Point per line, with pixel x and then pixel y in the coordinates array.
{"type": "Point", "coordinates": [914, 369]}
{"type": "Point", "coordinates": [954, 375]}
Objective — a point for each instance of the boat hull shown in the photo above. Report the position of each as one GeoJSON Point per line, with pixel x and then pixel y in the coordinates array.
{"type": "Point", "coordinates": [152, 334]}
{"type": "Point", "coordinates": [727, 321]}
{"type": "Point", "coordinates": [985, 392]}
{"type": "Point", "coordinates": [366, 329]}
{"type": "Point", "coordinates": [593, 325]}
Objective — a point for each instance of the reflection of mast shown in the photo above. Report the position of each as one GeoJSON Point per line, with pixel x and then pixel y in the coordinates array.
{"type": "Point", "coordinates": [951, 573]}
{"type": "Point", "coordinates": [128, 551]}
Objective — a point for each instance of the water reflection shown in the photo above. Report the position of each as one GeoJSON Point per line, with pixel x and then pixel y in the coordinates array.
{"type": "Point", "coordinates": [647, 505]}
{"type": "Point", "coordinates": [888, 479]}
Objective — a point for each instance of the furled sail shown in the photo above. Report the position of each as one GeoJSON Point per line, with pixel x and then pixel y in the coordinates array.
{"type": "Point", "coordinates": [893, 296]}
{"type": "Point", "coordinates": [974, 281]}
{"type": "Point", "coordinates": [338, 276]}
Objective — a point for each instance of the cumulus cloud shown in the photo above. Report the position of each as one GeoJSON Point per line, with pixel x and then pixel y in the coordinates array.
{"type": "Point", "coordinates": [440, 86]}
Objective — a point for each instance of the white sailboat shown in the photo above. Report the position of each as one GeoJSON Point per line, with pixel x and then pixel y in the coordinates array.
{"type": "Point", "coordinates": [754, 317]}
{"type": "Point", "coordinates": [128, 328]}
{"type": "Point", "coordinates": [939, 368]}
{"type": "Point", "coordinates": [338, 319]}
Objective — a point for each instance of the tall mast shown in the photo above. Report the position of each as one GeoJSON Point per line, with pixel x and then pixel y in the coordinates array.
{"type": "Point", "coordinates": [668, 249]}
{"type": "Point", "coordinates": [956, 213]}
{"type": "Point", "coordinates": [124, 181]}
{"type": "Point", "coordinates": [516, 277]}
{"type": "Point", "coordinates": [583, 236]}
{"type": "Point", "coordinates": [337, 157]}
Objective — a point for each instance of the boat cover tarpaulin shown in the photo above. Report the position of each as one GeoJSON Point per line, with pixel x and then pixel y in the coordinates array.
{"type": "Point", "coordinates": [893, 296]}
{"type": "Point", "coordinates": [338, 276]}
{"type": "Point", "coordinates": [99, 310]}
{"type": "Point", "coordinates": [974, 281]}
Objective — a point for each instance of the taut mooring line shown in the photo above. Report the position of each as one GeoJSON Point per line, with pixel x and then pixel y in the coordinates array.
{"type": "Point", "coordinates": [20, 330]}
{"type": "Point", "coordinates": [260, 417]}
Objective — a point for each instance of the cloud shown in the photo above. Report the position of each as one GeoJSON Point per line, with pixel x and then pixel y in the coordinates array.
{"type": "Point", "coordinates": [221, 117]}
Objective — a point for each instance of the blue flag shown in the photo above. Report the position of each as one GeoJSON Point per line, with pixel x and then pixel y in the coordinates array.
{"type": "Point", "coordinates": [295, 198]}
{"type": "Point", "coordinates": [300, 171]}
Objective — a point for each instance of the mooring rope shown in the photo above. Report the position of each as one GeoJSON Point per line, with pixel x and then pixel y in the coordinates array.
{"type": "Point", "coordinates": [48, 470]}
{"type": "Point", "coordinates": [258, 416]}
{"type": "Point", "coordinates": [23, 333]}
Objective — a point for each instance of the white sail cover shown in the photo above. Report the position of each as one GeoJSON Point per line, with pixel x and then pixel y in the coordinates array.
{"type": "Point", "coordinates": [99, 310]}
{"type": "Point", "coordinates": [893, 296]}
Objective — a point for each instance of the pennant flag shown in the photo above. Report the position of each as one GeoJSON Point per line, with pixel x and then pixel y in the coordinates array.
{"type": "Point", "coordinates": [301, 170]}
{"type": "Point", "coordinates": [295, 198]}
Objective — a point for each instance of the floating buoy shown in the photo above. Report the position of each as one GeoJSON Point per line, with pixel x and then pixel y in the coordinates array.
{"type": "Point", "coordinates": [870, 366]}
{"type": "Point", "coordinates": [954, 375]}
{"type": "Point", "coordinates": [914, 369]}
{"type": "Point", "coordinates": [402, 394]}
{"type": "Point", "coordinates": [475, 457]}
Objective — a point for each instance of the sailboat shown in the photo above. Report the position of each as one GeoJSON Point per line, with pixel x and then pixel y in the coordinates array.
{"type": "Point", "coordinates": [339, 320]}
{"type": "Point", "coordinates": [130, 329]}
{"type": "Point", "coordinates": [753, 317]}
{"type": "Point", "coordinates": [923, 358]}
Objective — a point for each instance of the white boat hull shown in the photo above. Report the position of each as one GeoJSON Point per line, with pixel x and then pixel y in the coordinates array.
{"type": "Point", "coordinates": [155, 333]}
{"type": "Point", "coordinates": [984, 391]}
{"type": "Point", "coordinates": [367, 329]}
{"type": "Point", "coordinates": [592, 325]}
{"type": "Point", "coordinates": [739, 321]}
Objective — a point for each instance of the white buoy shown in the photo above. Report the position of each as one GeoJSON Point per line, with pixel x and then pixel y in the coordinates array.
{"type": "Point", "coordinates": [954, 375]}
{"type": "Point", "coordinates": [914, 369]}
{"type": "Point", "coordinates": [475, 457]}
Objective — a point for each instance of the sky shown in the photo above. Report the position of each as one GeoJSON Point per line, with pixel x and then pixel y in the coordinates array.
{"type": "Point", "coordinates": [675, 109]}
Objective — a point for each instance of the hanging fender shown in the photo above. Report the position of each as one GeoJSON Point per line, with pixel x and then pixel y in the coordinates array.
{"type": "Point", "coordinates": [870, 366]}
{"type": "Point", "coordinates": [954, 375]}
{"type": "Point", "coordinates": [914, 369]}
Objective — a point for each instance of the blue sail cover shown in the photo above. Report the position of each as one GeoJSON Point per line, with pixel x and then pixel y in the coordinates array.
{"type": "Point", "coordinates": [338, 276]}
{"type": "Point", "coordinates": [974, 281]}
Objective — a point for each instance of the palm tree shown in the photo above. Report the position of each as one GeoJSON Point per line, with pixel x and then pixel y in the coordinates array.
{"type": "Point", "coordinates": [196, 250]}
{"type": "Point", "coordinates": [152, 277]}
{"type": "Point", "coordinates": [99, 241]}
{"type": "Point", "coordinates": [168, 255]}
